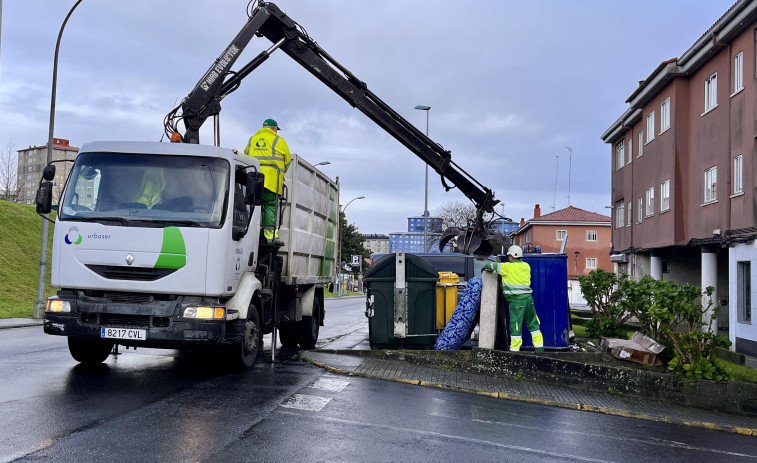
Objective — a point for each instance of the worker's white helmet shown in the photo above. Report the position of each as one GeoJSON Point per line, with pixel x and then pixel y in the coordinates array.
{"type": "Point", "coordinates": [515, 251]}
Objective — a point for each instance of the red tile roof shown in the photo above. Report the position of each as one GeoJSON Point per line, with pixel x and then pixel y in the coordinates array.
{"type": "Point", "coordinates": [572, 214]}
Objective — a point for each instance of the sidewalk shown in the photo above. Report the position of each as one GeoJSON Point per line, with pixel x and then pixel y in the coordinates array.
{"type": "Point", "coordinates": [392, 366]}
{"type": "Point", "coordinates": [19, 322]}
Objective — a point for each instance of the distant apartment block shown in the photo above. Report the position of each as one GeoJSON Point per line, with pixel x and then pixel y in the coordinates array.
{"type": "Point", "coordinates": [683, 172]}
{"type": "Point", "coordinates": [33, 159]}
{"type": "Point", "coordinates": [412, 240]}
{"type": "Point", "coordinates": [377, 244]}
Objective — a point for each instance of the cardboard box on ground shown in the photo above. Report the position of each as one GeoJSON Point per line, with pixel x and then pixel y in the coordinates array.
{"type": "Point", "coordinates": [639, 349]}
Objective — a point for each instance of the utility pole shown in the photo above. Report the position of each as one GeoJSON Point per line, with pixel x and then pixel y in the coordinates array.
{"type": "Point", "coordinates": [570, 163]}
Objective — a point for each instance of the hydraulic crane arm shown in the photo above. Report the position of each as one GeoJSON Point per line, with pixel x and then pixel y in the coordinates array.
{"type": "Point", "coordinates": [269, 21]}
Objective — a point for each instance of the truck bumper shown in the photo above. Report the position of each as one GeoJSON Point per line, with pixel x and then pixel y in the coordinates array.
{"type": "Point", "coordinates": [161, 320]}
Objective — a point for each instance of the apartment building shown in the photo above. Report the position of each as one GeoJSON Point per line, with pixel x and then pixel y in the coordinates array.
{"type": "Point", "coordinates": [683, 172]}
{"type": "Point", "coordinates": [583, 235]}
{"type": "Point", "coordinates": [377, 243]}
{"type": "Point", "coordinates": [33, 159]}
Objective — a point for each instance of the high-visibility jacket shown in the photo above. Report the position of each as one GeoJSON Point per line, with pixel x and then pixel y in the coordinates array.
{"type": "Point", "coordinates": [151, 189]}
{"type": "Point", "coordinates": [273, 154]}
{"type": "Point", "coordinates": [516, 278]}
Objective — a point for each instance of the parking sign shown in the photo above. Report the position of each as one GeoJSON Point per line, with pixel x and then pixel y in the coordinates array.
{"type": "Point", "coordinates": [356, 260]}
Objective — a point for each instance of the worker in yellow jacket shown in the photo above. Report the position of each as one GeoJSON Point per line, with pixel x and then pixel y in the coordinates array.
{"type": "Point", "coordinates": [516, 285]}
{"type": "Point", "coordinates": [272, 152]}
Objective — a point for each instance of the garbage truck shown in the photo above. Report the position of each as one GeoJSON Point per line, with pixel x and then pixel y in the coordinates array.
{"type": "Point", "coordinates": [191, 270]}
{"type": "Point", "coordinates": [186, 269]}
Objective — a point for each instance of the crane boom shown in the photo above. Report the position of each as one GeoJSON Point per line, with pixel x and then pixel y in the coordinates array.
{"type": "Point", "coordinates": [269, 21]}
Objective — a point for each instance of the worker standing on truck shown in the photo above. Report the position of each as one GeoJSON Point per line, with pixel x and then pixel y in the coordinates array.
{"type": "Point", "coordinates": [272, 152]}
{"type": "Point", "coordinates": [516, 285]}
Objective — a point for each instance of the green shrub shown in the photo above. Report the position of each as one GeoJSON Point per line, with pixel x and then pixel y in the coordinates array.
{"type": "Point", "coordinates": [682, 328]}
{"type": "Point", "coordinates": [599, 290]}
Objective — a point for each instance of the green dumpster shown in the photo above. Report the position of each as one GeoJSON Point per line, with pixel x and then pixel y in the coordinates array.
{"type": "Point", "coordinates": [401, 302]}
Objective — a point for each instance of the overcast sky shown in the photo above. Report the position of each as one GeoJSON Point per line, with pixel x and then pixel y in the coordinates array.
{"type": "Point", "coordinates": [510, 85]}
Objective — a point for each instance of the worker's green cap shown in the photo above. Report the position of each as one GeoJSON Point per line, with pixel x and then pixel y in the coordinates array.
{"type": "Point", "coordinates": [271, 123]}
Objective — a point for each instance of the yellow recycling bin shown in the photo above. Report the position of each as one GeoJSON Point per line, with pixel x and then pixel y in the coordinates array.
{"type": "Point", "coordinates": [446, 297]}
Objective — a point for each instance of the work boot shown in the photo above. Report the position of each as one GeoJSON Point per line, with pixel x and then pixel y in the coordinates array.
{"type": "Point", "coordinates": [539, 349]}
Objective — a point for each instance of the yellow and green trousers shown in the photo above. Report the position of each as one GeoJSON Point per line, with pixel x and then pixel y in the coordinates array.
{"type": "Point", "coordinates": [522, 311]}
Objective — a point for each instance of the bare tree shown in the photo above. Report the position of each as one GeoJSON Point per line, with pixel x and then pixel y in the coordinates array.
{"type": "Point", "coordinates": [457, 214]}
{"type": "Point", "coordinates": [9, 184]}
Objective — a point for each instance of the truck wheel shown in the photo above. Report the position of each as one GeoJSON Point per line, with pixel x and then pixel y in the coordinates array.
{"type": "Point", "coordinates": [243, 354]}
{"type": "Point", "coordinates": [309, 326]}
{"type": "Point", "coordinates": [89, 351]}
{"type": "Point", "coordinates": [288, 335]}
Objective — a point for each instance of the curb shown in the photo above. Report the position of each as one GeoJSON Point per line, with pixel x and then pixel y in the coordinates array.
{"type": "Point", "coordinates": [572, 406]}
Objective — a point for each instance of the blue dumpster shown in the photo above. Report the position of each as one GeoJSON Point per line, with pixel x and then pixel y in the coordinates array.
{"type": "Point", "coordinates": [549, 281]}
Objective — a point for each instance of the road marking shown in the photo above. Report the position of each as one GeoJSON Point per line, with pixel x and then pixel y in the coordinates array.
{"type": "Point", "coordinates": [328, 384]}
{"type": "Point", "coordinates": [409, 431]}
{"type": "Point", "coordinates": [306, 402]}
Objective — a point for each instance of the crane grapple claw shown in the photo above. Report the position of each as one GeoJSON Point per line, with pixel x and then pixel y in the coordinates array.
{"type": "Point", "coordinates": [467, 241]}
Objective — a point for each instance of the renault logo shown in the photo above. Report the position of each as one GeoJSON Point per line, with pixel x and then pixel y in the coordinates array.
{"type": "Point", "coordinates": [129, 259]}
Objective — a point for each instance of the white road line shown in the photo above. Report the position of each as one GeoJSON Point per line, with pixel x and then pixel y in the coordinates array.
{"type": "Point", "coordinates": [311, 403]}
{"type": "Point", "coordinates": [644, 440]}
{"type": "Point", "coordinates": [328, 384]}
{"type": "Point", "coordinates": [452, 437]}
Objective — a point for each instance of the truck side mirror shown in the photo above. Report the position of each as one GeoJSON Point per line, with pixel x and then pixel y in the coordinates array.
{"type": "Point", "coordinates": [255, 181]}
{"type": "Point", "coordinates": [48, 173]}
{"type": "Point", "coordinates": [44, 197]}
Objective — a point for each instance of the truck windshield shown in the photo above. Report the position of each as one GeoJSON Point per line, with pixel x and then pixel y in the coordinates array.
{"type": "Point", "coordinates": [147, 190]}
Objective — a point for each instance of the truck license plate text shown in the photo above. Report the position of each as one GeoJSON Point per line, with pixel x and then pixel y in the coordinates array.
{"type": "Point", "coordinates": [123, 333]}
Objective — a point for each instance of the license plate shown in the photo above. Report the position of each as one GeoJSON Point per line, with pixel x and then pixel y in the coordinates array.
{"type": "Point", "coordinates": [123, 333]}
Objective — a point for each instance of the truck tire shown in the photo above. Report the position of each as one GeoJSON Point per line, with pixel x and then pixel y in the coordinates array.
{"type": "Point", "coordinates": [242, 354]}
{"type": "Point", "coordinates": [288, 334]}
{"type": "Point", "coordinates": [307, 329]}
{"type": "Point", "coordinates": [89, 351]}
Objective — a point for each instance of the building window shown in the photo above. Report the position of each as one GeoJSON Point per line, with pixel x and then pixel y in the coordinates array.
{"type": "Point", "coordinates": [620, 213]}
{"type": "Point", "coordinates": [561, 234]}
{"type": "Point", "coordinates": [711, 92]}
{"type": "Point", "coordinates": [665, 195]}
{"type": "Point", "coordinates": [650, 202]}
{"type": "Point", "coordinates": [630, 150]}
{"type": "Point", "coordinates": [744, 289]}
{"type": "Point", "coordinates": [650, 126]}
{"type": "Point", "coordinates": [591, 235]}
{"type": "Point", "coordinates": [710, 184]}
{"type": "Point", "coordinates": [738, 72]}
{"type": "Point", "coordinates": [641, 142]}
{"type": "Point", "coordinates": [640, 209]}
{"type": "Point", "coordinates": [628, 222]}
{"type": "Point", "coordinates": [737, 174]}
{"type": "Point", "coordinates": [620, 155]}
{"type": "Point", "coordinates": [665, 115]}
{"type": "Point", "coordinates": [591, 262]}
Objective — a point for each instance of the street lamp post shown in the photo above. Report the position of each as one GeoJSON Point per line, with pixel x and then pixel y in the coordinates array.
{"type": "Point", "coordinates": [425, 204]}
{"type": "Point", "coordinates": [39, 306]}
{"type": "Point", "coordinates": [339, 252]}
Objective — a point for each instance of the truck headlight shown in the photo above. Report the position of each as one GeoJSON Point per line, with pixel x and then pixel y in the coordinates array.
{"type": "Point", "coordinates": [57, 305]}
{"type": "Point", "coordinates": [205, 313]}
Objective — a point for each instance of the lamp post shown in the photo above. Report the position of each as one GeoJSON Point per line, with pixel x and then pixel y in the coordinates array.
{"type": "Point", "coordinates": [339, 252]}
{"type": "Point", "coordinates": [322, 163]}
{"type": "Point", "coordinates": [39, 305]}
{"type": "Point", "coordinates": [425, 204]}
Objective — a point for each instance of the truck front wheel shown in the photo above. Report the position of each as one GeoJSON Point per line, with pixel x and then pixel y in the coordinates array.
{"type": "Point", "coordinates": [89, 351]}
{"type": "Point", "coordinates": [242, 354]}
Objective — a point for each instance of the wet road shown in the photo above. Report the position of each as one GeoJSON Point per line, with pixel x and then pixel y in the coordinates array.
{"type": "Point", "coordinates": [146, 405]}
